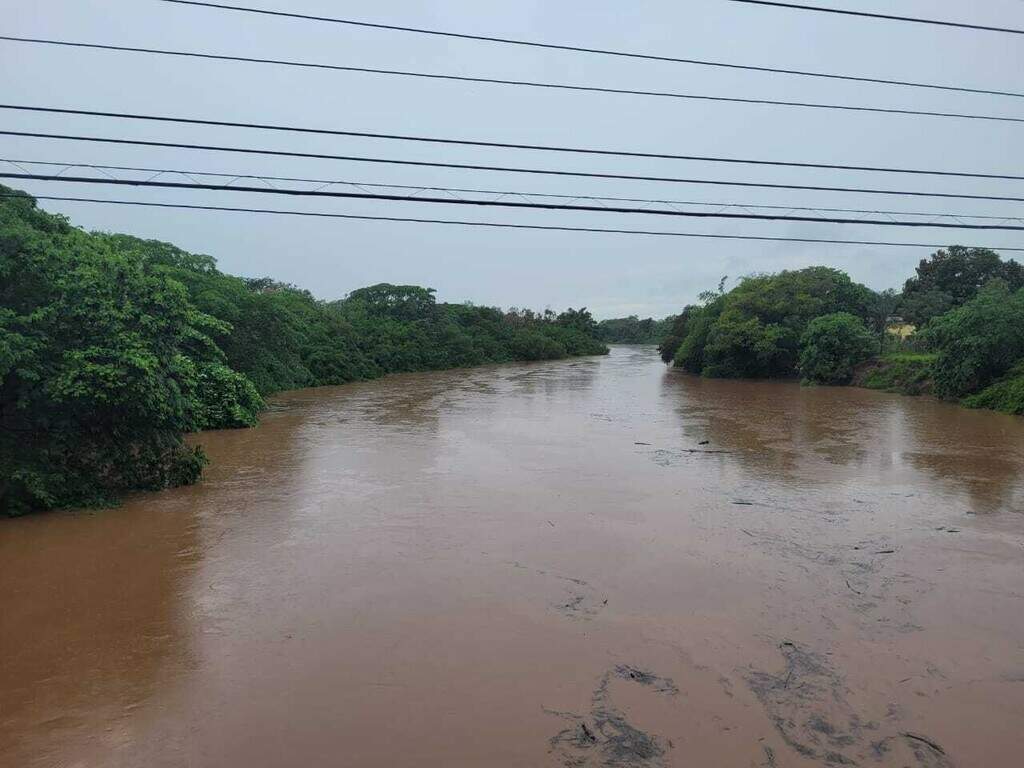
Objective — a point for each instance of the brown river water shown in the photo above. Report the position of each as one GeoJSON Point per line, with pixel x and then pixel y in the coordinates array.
{"type": "Point", "coordinates": [596, 562]}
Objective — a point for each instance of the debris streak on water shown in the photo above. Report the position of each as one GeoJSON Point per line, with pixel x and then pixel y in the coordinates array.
{"type": "Point", "coordinates": [595, 562]}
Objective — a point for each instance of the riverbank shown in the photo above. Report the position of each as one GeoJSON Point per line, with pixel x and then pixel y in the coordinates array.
{"type": "Point", "coordinates": [904, 373]}
{"type": "Point", "coordinates": [964, 307]}
{"type": "Point", "coordinates": [114, 347]}
{"type": "Point", "coordinates": [909, 373]}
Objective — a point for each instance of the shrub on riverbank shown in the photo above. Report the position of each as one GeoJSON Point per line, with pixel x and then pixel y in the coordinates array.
{"type": "Point", "coordinates": [112, 347]}
{"type": "Point", "coordinates": [754, 330]}
{"type": "Point", "coordinates": [98, 350]}
{"type": "Point", "coordinates": [1006, 395]}
{"type": "Point", "coordinates": [832, 347]}
{"type": "Point", "coordinates": [978, 342]}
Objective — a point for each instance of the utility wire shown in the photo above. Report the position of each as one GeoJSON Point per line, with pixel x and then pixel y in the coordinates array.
{"type": "Point", "coordinates": [18, 163]}
{"type": "Point", "coordinates": [539, 84]}
{"type": "Point", "coordinates": [602, 51]}
{"type": "Point", "coordinates": [885, 16]}
{"type": "Point", "coordinates": [496, 203]}
{"type": "Point", "coordinates": [505, 145]}
{"type": "Point", "coordinates": [505, 169]}
{"type": "Point", "coordinates": [499, 225]}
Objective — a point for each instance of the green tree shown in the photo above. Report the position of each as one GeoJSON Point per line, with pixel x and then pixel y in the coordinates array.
{"type": "Point", "coordinates": [951, 277]}
{"type": "Point", "coordinates": [754, 330]}
{"type": "Point", "coordinates": [94, 376]}
{"type": "Point", "coordinates": [633, 330]}
{"type": "Point", "coordinates": [112, 347]}
{"type": "Point", "coordinates": [668, 345]}
{"type": "Point", "coordinates": [578, 319]}
{"type": "Point", "coordinates": [832, 346]}
{"type": "Point", "coordinates": [978, 342]}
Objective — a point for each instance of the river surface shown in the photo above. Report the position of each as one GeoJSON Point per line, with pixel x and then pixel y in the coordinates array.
{"type": "Point", "coordinates": [593, 562]}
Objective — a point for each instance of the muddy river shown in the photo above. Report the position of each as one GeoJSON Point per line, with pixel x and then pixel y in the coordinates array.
{"type": "Point", "coordinates": [595, 562]}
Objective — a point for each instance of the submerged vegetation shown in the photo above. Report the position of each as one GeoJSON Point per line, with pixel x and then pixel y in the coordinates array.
{"type": "Point", "coordinates": [965, 307]}
{"type": "Point", "coordinates": [112, 347]}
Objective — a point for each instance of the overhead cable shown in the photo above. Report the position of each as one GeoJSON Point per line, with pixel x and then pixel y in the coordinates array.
{"type": "Point", "coordinates": [504, 169]}
{"type": "Point", "coordinates": [497, 203]}
{"type": "Point", "coordinates": [501, 225]}
{"type": "Point", "coordinates": [597, 51]}
{"type": "Point", "coordinates": [703, 97]}
{"type": "Point", "coordinates": [504, 145]}
{"type": "Point", "coordinates": [866, 14]}
{"type": "Point", "coordinates": [417, 188]}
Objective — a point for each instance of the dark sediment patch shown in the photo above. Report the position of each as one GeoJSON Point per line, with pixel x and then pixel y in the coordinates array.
{"type": "Point", "coordinates": [604, 737]}
{"type": "Point", "coordinates": [581, 600]}
{"type": "Point", "coordinates": [642, 676]}
{"type": "Point", "coordinates": [807, 702]}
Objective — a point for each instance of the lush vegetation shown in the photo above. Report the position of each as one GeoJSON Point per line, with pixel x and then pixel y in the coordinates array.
{"type": "Point", "coordinates": [112, 347]}
{"type": "Point", "coordinates": [755, 330]}
{"type": "Point", "coordinates": [633, 330]}
{"type": "Point", "coordinates": [979, 342]}
{"type": "Point", "coordinates": [833, 346]}
{"type": "Point", "coordinates": [951, 278]}
{"type": "Point", "coordinates": [905, 373]}
{"type": "Point", "coordinates": [967, 305]}
{"type": "Point", "coordinates": [1006, 394]}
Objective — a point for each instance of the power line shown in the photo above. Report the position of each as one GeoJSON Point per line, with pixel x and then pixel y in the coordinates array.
{"type": "Point", "coordinates": [885, 16]}
{"type": "Point", "coordinates": [505, 145]}
{"type": "Point", "coordinates": [505, 169]}
{"type": "Point", "coordinates": [500, 192]}
{"type": "Point", "coordinates": [603, 51]}
{"type": "Point", "coordinates": [499, 225]}
{"type": "Point", "coordinates": [497, 203]}
{"type": "Point", "coordinates": [538, 84]}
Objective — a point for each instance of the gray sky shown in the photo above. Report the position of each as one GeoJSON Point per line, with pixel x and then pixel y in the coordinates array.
{"type": "Point", "coordinates": [613, 275]}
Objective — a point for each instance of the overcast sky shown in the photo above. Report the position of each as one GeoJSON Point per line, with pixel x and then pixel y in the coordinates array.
{"type": "Point", "coordinates": [613, 275]}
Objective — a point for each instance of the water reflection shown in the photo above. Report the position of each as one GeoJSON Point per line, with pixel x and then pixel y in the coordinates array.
{"type": "Point", "coordinates": [780, 432]}
{"type": "Point", "coordinates": [979, 453]}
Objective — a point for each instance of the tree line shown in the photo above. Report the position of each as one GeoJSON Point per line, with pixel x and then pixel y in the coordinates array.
{"type": "Point", "coordinates": [113, 347]}
{"type": "Point", "coordinates": [633, 330]}
{"type": "Point", "coordinates": [966, 306]}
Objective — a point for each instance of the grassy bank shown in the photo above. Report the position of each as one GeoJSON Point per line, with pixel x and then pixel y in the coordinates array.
{"type": "Point", "coordinates": [912, 373]}
{"type": "Point", "coordinates": [905, 373]}
{"type": "Point", "coordinates": [1006, 395]}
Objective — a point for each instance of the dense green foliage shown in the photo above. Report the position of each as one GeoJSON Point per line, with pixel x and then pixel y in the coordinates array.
{"type": "Point", "coordinates": [832, 347]}
{"type": "Point", "coordinates": [905, 373]}
{"type": "Point", "coordinates": [99, 354]}
{"type": "Point", "coordinates": [951, 277]}
{"type": "Point", "coordinates": [755, 329]}
{"type": "Point", "coordinates": [816, 320]}
{"type": "Point", "coordinates": [112, 347]}
{"type": "Point", "coordinates": [278, 336]}
{"type": "Point", "coordinates": [677, 330]}
{"type": "Point", "coordinates": [633, 330]}
{"type": "Point", "coordinates": [978, 342]}
{"type": "Point", "coordinates": [1006, 395]}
